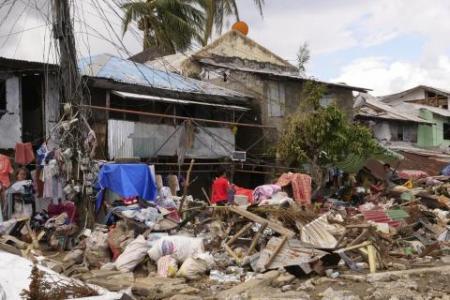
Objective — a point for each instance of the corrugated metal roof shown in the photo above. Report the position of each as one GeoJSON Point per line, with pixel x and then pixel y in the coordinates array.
{"type": "Point", "coordinates": [284, 74]}
{"type": "Point", "coordinates": [11, 64]}
{"type": "Point", "coordinates": [370, 107]}
{"type": "Point", "coordinates": [388, 98]}
{"type": "Point", "coordinates": [125, 71]}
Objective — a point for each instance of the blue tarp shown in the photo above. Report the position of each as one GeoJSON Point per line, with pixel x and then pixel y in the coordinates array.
{"type": "Point", "coordinates": [126, 180]}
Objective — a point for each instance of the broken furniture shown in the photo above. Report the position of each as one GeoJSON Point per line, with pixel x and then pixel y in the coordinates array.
{"type": "Point", "coordinates": [284, 232]}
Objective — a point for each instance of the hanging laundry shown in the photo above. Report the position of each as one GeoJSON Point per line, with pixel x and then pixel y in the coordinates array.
{"type": "Point", "coordinates": [24, 153]}
{"type": "Point", "coordinates": [41, 154]}
{"type": "Point", "coordinates": [53, 183]}
{"type": "Point", "coordinates": [5, 171]}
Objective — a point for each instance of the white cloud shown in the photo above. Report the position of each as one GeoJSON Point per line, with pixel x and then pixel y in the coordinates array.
{"type": "Point", "coordinates": [384, 76]}
{"type": "Point", "coordinates": [328, 26]}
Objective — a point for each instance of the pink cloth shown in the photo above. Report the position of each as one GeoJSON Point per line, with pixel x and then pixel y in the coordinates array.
{"type": "Point", "coordinates": [412, 174]}
{"type": "Point", "coordinates": [24, 153]}
{"type": "Point", "coordinates": [301, 186]}
{"type": "Point", "coordinates": [264, 192]}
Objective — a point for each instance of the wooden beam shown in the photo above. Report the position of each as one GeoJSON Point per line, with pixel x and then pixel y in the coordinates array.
{"type": "Point", "coordinates": [255, 218]}
{"type": "Point", "coordinates": [275, 253]}
{"type": "Point", "coordinates": [143, 113]}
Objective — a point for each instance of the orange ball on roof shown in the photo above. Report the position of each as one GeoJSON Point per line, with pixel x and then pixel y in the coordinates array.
{"type": "Point", "coordinates": [241, 26]}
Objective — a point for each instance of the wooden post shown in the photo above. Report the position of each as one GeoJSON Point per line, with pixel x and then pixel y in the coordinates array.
{"type": "Point", "coordinates": [186, 186]}
{"type": "Point", "coordinates": [372, 258]}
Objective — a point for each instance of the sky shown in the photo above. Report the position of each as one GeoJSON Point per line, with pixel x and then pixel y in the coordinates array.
{"type": "Point", "coordinates": [384, 45]}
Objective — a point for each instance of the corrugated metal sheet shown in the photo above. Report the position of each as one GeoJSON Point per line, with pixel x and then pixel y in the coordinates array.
{"type": "Point", "coordinates": [368, 106]}
{"type": "Point", "coordinates": [135, 139]}
{"type": "Point", "coordinates": [125, 71]}
{"type": "Point", "coordinates": [119, 138]}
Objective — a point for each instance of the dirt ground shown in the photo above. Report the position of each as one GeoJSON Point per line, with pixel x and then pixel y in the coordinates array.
{"type": "Point", "coordinates": [422, 286]}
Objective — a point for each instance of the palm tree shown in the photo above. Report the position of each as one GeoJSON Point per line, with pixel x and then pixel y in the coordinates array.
{"type": "Point", "coordinates": [168, 25]}
{"type": "Point", "coordinates": [216, 12]}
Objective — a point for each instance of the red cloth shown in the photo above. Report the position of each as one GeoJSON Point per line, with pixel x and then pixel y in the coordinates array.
{"type": "Point", "coordinates": [68, 207]}
{"type": "Point", "coordinates": [301, 186]}
{"type": "Point", "coordinates": [5, 170]}
{"type": "Point", "coordinates": [24, 153]}
{"type": "Point", "coordinates": [244, 192]}
{"type": "Point", "coordinates": [220, 190]}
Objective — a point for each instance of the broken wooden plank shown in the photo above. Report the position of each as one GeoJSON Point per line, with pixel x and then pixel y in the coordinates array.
{"type": "Point", "coordinates": [256, 239]}
{"type": "Point", "coordinates": [277, 250]}
{"type": "Point", "coordinates": [239, 233]}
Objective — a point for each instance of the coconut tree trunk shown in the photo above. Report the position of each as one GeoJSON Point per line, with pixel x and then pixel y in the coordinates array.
{"type": "Point", "coordinates": [146, 40]}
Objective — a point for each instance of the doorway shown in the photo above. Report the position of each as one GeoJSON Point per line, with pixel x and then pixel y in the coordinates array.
{"type": "Point", "coordinates": [32, 109]}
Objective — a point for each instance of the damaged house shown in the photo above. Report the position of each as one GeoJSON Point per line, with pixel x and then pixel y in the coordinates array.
{"type": "Point", "coordinates": [28, 91]}
{"type": "Point", "coordinates": [136, 111]}
{"type": "Point", "coordinates": [419, 132]}
{"type": "Point", "coordinates": [236, 62]}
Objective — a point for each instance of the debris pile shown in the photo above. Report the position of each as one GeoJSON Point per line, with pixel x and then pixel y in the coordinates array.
{"type": "Point", "coordinates": [279, 237]}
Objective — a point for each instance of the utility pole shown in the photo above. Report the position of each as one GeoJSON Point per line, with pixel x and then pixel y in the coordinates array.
{"type": "Point", "coordinates": [76, 137]}
{"type": "Point", "coordinates": [71, 86]}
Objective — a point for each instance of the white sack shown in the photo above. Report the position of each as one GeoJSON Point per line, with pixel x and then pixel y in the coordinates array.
{"type": "Point", "coordinates": [133, 254]}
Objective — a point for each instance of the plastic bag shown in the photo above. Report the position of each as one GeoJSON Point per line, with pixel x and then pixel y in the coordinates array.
{"type": "Point", "coordinates": [196, 265]}
{"type": "Point", "coordinates": [180, 247]}
{"type": "Point", "coordinates": [133, 254]}
{"type": "Point", "coordinates": [167, 266]}
{"type": "Point", "coordinates": [216, 275]}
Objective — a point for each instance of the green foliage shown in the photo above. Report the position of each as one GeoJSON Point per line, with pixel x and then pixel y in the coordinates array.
{"type": "Point", "coordinates": [169, 25]}
{"type": "Point", "coordinates": [217, 11]}
{"type": "Point", "coordinates": [173, 25]}
{"type": "Point", "coordinates": [322, 136]}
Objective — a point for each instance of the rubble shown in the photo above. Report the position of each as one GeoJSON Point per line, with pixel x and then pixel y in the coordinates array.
{"type": "Point", "coordinates": [182, 247]}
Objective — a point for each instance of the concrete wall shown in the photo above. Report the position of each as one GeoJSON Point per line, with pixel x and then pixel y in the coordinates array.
{"type": "Point", "coordinates": [234, 44]}
{"type": "Point", "coordinates": [258, 87]}
{"type": "Point", "coordinates": [382, 131]}
{"type": "Point", "coordinates": [11, 122]}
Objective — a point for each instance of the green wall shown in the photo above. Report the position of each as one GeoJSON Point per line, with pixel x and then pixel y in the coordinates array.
{"type": "Point", "coordinates": [432, 135]}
